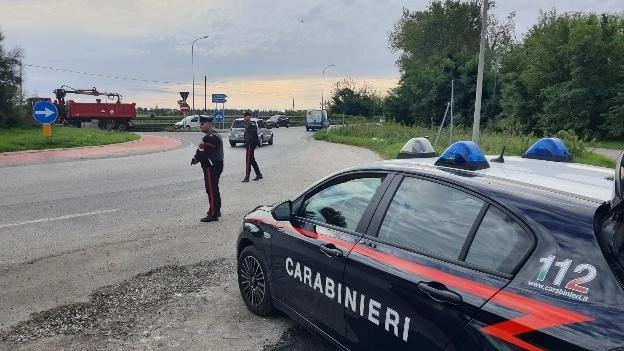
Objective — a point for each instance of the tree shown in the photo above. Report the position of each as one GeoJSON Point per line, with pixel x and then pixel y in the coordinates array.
{"type": "Point", "coordinates": [362, 101]}
{"type": "Point", "coordinates": [436, 46]}
{"type": "Point", "coordinates": [567, 74]}
{"type": "Point", "coordinates": [9, 85]}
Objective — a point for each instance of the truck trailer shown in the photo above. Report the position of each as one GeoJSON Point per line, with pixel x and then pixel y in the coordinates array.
{"type": "Point", "coordinates": [107, 114]}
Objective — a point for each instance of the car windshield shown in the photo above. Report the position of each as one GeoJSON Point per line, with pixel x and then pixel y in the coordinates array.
{"type": "Point", "coordinates": [273, 119]}
{"type": "Point", "coordinates": [238, 124]}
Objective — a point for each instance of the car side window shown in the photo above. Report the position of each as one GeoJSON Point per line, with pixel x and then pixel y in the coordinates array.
{"type": "Point", "coordinates": [431, 217]}
{"type": "Point", "coordinates": [343, 204]}
{"type": "Point", "coordinates": [194, 119]}
{"type": "Point", "coordinates": [500, 243]}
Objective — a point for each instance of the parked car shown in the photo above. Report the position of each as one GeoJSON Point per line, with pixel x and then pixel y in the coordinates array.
{"type": "Point", "coordinates": [452, 253]}
{"type": "Point", "coordinates": [188, 122]}
{"type": "Point", "coordinates": [237, 132]}
{"type": "Point", "coordinates": [278, 121]}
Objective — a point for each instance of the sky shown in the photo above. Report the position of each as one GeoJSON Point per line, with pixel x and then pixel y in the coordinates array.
{"type": "Point", "coordinates": [263, 54]}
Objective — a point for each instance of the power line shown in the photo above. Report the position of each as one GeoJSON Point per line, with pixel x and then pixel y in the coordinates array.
{"type": "Point", "coordinates": [102, 75]}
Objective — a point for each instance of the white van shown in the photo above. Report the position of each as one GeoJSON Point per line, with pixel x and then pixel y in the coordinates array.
{"type": "Point", "coordinates": [316, 119]}
{"type": "Point", "coordinates": [188, 122]}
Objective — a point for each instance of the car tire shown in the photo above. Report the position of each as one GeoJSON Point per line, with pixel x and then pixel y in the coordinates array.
{"type": "Point", "coordinates": [261, 141]}
{"type": "Point", "coordinates": [288, 125]}
{"type": "Point", "coordinates": [271, 140]}
{"type": "Point", "coordinates": [232, 144]}
{"type": "Point", "coordinates": [253, 282]}
{"type": "Point", "coordinates": [188, 127]}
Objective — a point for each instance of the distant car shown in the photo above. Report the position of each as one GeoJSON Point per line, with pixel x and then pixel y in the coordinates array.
{"type": "Point", "coordinates": [237, 132]}
{"type": "Point", "coordinates": [188, 122]}
{"type": "Point", "coordinates": [278, 121]}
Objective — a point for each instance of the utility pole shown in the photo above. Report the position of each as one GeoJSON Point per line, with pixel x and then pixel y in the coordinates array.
{"type": "Point", "coordinates": [205, 93]}
{"type": "Point", "coordinates": [477, 112]}
{"type": "Point", "coordinates": [452, 98]}
{"type": "Point", "coordinates": [21, 102]}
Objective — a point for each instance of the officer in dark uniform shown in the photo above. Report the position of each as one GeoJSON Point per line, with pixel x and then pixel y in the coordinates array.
{"type": "Point", "coordinates": [210, 155]}
{"type": "Point", "coordinates": [251, 142]}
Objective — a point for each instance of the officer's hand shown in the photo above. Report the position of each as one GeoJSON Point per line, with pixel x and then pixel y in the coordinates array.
{"type": "Point", "coordinates": [193, 161]}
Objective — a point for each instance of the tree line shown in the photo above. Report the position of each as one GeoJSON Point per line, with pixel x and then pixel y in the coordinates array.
{"type": "Point", "coordinates": [566, 73]}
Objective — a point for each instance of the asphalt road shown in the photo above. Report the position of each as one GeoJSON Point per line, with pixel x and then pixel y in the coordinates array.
{"type": "Point", "coordinates": [109, 254]}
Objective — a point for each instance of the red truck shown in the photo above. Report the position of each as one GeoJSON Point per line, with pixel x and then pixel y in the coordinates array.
{"type": "Point", "coordinates": [113, 114]}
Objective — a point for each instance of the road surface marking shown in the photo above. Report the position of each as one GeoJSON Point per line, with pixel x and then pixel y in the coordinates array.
{"type": "Point", "coordinates": [58, 218]}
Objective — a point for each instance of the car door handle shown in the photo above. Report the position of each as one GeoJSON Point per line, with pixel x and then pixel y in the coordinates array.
{"type": "Point", "coordinates": [330, 250]}
{"type": "Point", "coordinates": [439, 292]}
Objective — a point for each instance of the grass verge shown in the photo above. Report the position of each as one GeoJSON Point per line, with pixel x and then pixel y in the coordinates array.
{"type": "Point", "coordinates": [20, 139]}
{"type": "Point", "coordinates": [388, 139]}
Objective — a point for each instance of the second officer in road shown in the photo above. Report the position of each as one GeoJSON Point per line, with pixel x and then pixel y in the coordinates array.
{"type": "Point", "coordinates": [251, 142]}
{"type": "Point", "coordinates": [209, 155]}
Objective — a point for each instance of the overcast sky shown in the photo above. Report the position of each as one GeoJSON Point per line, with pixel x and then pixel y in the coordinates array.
{"type": "Point", "coordinates": [262, 53]}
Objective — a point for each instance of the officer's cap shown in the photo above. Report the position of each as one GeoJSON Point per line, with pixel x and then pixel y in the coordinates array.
{"type": "Point", "coordinates": [204, 119]}
{"type": "Point", "coordinates": [246, 113]}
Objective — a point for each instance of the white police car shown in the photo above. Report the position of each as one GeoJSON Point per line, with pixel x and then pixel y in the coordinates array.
{"type": "Point", "coordinates": [448, 253]}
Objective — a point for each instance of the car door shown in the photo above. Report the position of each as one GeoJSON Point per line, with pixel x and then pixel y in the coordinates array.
{"type": "Point", "coordinates": [414, 290]}
{"type": "Point", "coordinates": [308, 252]}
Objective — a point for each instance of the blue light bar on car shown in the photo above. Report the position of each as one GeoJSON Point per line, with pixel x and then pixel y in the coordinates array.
{"type": "Point", "coordinates": [549, 149]}
{"type": "Point", "coordinates": [464, 155]}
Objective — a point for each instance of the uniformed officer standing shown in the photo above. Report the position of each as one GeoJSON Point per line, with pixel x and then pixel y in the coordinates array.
{"type": "Point", "coordinates": [210, 155]}
{"type": "Point", "coordinates": [251, 142]}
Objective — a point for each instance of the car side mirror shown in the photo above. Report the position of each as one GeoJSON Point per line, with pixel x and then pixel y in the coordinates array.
{"type": "Point", "coordinates": [282, 211]}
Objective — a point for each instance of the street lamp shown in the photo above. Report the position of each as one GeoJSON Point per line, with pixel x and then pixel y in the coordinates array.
{"type": "Point", "coordinates": [323, 87]}
{"type": "Point", "coordinates": [193, 68]}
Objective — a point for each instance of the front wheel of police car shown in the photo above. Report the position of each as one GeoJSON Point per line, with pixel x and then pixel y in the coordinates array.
{"type": "Point", "coordinates": [253, 282]}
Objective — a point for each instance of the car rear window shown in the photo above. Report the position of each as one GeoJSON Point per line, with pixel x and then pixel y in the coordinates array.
{"type": "Point", "coordinates": [238, 124]}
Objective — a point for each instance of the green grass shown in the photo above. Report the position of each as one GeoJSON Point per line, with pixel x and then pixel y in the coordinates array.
{"type": "Point", "coordinates": [608, 144]}
{"type": "Point", "coordinates": [388, 139]}
{"type": "Point", "coordinates": [19, 139]}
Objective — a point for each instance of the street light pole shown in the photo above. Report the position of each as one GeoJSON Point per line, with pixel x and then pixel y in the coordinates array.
{"type": "Point", "coordinates": [323, 87]}
{"type": "Point", "coordinates": [193, 67]}
{"type": "Point", "coordinates": [477, 112]}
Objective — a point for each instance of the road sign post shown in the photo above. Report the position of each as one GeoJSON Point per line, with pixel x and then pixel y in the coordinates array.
{"type": "Point", "coordinates": [45, 113]}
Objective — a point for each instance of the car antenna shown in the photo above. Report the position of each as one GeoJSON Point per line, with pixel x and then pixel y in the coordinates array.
{"type": "Point", "coordinates": [501, 159]}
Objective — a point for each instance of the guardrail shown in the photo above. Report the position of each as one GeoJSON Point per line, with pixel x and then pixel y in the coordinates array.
{"type": "Point", "coordinates": [166, 123]}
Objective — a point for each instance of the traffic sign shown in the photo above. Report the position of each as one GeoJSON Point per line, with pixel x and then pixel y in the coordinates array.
{"type": "Point", "coordinates": [184, 95]}
{"type": "Point", "coordinates": [218, 96]}
{"type": "Point", "coordinates": [219, 101]}
{"type": "Point", "coordinates": [184, 107]}
{"type": "Point", "coordinates": [45, 112]}
{"type": "Point", "coordinates": [218, 116]}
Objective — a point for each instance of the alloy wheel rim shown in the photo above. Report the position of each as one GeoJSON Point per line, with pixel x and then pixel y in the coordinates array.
{"type": "Point", "coordinates": [252, 281]}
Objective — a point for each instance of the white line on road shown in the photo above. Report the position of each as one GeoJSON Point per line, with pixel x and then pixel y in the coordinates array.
{"type": "Point", "coordinates": [59, 218]}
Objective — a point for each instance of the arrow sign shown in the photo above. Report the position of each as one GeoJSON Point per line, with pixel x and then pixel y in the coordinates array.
{"type": "Point", "coordinates": [218, 96]}
{"type": "Point", "coordinates": [45, 112]}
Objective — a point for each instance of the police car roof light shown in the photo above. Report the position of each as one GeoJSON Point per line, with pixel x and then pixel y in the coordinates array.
{"type": "Point", "coordinates": [417, 148]}
{"type": "Point", "coordinates": [549, 149]}
{"type": "Point", "coordinates": [464, 155]}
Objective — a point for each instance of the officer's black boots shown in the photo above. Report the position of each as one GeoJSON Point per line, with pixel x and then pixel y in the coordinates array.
{"type": "Point", "coordinates": [258, 177]}
{"type": "Point", "coordinates": [209, 218]}
{"type": "Point", "coordinates": [246, 180]}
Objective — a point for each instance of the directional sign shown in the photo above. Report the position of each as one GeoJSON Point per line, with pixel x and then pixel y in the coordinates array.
{"type": "Point", "coordinates": [184, 95]}
{"type": "Point", "coordinates": [219, 101]}
{"type": "Point", "coordinates": [218, 116]}
{"type": "Point", "coordinates": [45, 112]}
{"type": "Point", "coordinates": [218, 96]}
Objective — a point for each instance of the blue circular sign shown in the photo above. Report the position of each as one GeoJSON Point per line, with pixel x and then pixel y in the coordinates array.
{"type": "Point", "coordinates": [45, 112]}
{"type": "Point", "coordinates": [218, 116]}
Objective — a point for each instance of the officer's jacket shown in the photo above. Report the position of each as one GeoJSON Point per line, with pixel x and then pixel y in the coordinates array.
{"type": "Point", "coordinates": [251, 134]}
{"type": "Point", "coordinates": [210, 150]}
